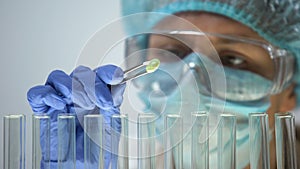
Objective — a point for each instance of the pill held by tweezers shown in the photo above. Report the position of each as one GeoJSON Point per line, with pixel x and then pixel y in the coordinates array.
{"type": "Point", "coordinates": [142, 69]}
{"type": "Point", "coordinates": [152, 66]}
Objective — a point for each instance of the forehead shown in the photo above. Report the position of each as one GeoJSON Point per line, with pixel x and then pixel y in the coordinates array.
{"type": "Point", "coordinates": [206, 22]}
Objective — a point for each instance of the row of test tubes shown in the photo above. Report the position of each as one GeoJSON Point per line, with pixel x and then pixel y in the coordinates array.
{"type": "Point", "coordinates": [94, 130]}
{"type": "Point", "coordinates": [64, 148]}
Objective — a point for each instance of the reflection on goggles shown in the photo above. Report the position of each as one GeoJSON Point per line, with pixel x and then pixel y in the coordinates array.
{"type": "Point", "coordinates": [230, 53]}
{"type": "Point", "coordinates": [241, 85]}
{"type": "Point", "coordinates": [253, 69]}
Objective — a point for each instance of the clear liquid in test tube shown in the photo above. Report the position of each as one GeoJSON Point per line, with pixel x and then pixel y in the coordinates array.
{"type": "Point", "coordinates": [119, 140]}
{"type": "Point", "coordinates": [40, 141]}
{"type": "Point", "coordinates": [226, 141]}
{"type": "Point", "coordinates": [285, 140]}
{"type": "Point", "coordinates": [200, 142]}
{"type": "Point", "coordinates": [66, 141]}
{"type": "Point", "coordinates": [146, 141]}
{"type": "Point", "coordinates": [93, 142]}
{"type": "Point", "coordinates": [173, 139]}
{"type": "Point", "coordinates": [14, 142]}
{"type": "Point", "coordinates": [259, 141]}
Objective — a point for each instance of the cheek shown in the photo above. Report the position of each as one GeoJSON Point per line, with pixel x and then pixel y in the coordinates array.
{"type": "Point", "coordinates": [275, 104]}
{"type": "Point", "coordinates": [283, 102]}
{"type": "Point", "coordinates": [279, 103]}
{"type": "Point", "coordinates": [274, 108]}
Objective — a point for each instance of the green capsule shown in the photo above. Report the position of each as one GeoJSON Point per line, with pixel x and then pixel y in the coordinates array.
{"type": "Point", "coordinates": [153, 65]}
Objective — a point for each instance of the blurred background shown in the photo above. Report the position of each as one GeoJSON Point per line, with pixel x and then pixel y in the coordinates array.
{"type": "Point", "coordinates": [37, 37]}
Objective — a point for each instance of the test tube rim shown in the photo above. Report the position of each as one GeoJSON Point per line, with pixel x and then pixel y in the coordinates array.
{"type": "Point", "coordinates": [66, 116]}
{"type": "Point", "coordinates": [119, 116]}
{"type": "Point", "coordinates": [41, 116]}
{"type": "Point", "coordinates": [93, 115]}
{"type": "Point", "coordinates": [281, 115]}
{"type": "Point", "coordinates": [149, 116]}
{"type": "Point", "coordinates": [199, 114]}
{"type": "Point", "coordinates": [173, 116]}
{"type": "Point", "coordinates": [227, 115]}
{"type": "Point", "coordinates": [258, 114]}
{"type": "Point", "coordinates": [146, 115]}
{"type": "Point", "coordinates": [14, 116]}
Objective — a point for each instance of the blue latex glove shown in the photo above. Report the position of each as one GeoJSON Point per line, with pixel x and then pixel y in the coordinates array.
{"type": "Point", "coordinates": [83, 92]}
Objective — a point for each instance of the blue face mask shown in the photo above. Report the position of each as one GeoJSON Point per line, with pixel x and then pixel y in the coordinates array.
{"type": "Point", "coordinates": [178, 91]}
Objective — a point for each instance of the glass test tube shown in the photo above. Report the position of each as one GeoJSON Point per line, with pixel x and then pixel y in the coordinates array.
{"type": "Point", "coordinates": [14, 142]}
{"type": "Point", "coordinates": [226, 141]}
{"type": "Point", "coordinates": [173, 141]}
{"type": "Point", "coordinates": [200, 146]}
{"type": "Point", "coordinates": [119, 137]}
{"type": "Point", "coordinates": [259, 141]}
{"type": "Point", "coordinates": [93, 132]}
{"type": "Point", "coordinates": [66, 141]}
{"type": "Point", "coordinates": [285, 140]}
{"type": "Point", "coordinates": [40, 140]}
{"type": "Point", "coordinates": [146, 141]}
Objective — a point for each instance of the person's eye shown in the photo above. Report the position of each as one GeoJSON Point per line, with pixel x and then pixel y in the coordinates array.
{"type": "Point", "coordinates": [233, 60]}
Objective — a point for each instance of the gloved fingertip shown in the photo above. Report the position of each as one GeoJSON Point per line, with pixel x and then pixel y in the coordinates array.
{"type": "Point", "coordinates": [117, 92]}
{"type": "Point", "coordinates": [80, 68]}
{"type": "Point", "coordinates": [117, 77]}
{"type": "Point", "coordinates": [55, 102]}
{"type": "Point", "coordinates": [122, 87]}
{"type": "Point", "coordinates": [61, 82]}
{"type": "Point", "coordinates": [55, 73]}
{"type": "Point", "coordinates": [40, 110]}
{"type": "Point", "coordinates": [33, 92]}
{"type": "Point", "coordinates": [110, 74]}
{"type": "Point", "coordinates": [77, 72]}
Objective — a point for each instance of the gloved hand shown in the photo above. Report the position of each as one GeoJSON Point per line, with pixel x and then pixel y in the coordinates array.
{"type": "Point", "coordinates": [83, 92]}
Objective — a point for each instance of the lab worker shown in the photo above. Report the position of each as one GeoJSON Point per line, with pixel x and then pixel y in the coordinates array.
{"type": "Point", "coordinates": [255, 43]}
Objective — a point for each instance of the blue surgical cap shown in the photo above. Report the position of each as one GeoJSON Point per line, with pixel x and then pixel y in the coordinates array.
{"type": "Point", "coordinates": [277, 21]}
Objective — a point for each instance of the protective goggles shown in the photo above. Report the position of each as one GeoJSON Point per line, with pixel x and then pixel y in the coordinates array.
{"type": "Point", "coordinates": [229, 67]}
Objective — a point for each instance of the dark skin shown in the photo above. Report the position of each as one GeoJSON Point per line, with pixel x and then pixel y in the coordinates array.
{"type": "Point", "coordinates": [213, 23]}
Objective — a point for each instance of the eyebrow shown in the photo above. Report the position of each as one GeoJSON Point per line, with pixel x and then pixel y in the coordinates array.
{"type": "Point", "coordinates": [246, 35]}
{"type": "Point", "coordinates": [241, 34]}
{"type": "Point", "coordinates": [233, 38]}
